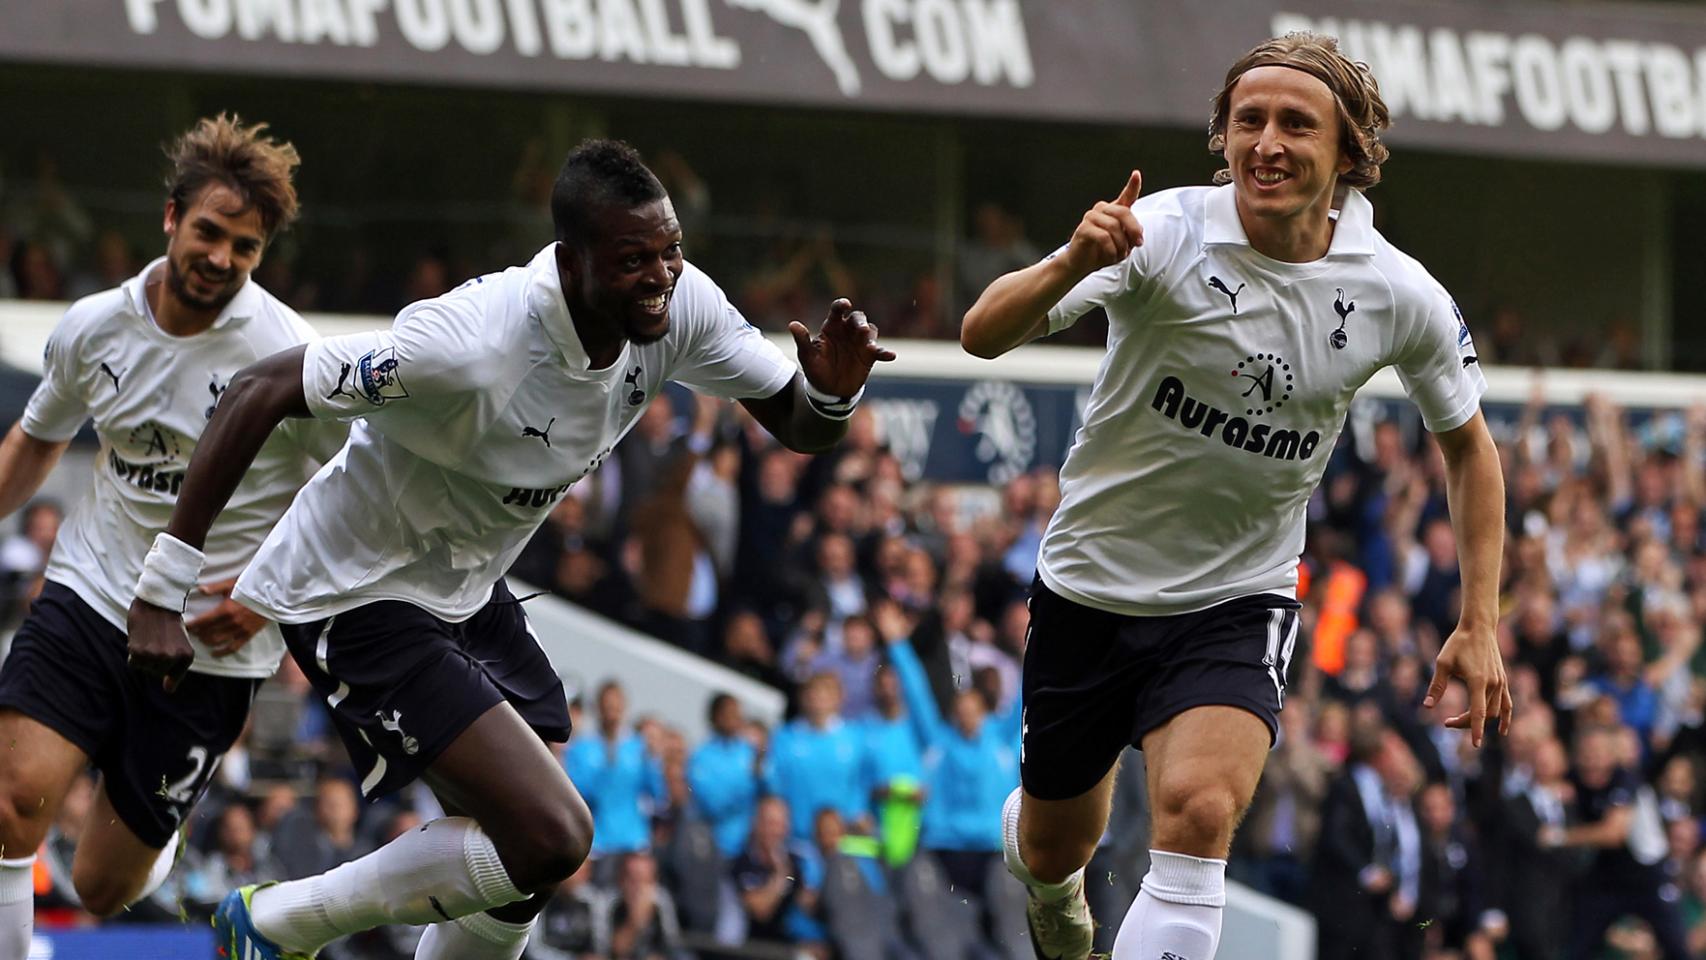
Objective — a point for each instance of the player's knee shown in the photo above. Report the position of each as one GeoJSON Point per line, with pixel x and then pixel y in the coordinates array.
{"type": "Point", "coordinates": [1200, 816]}
{"type": "Point", "coordinates": [24, 819]}
{"type": "Point", "coordinates": [559, 841]}
{"type": "Point", "coordinates": [101, 892]}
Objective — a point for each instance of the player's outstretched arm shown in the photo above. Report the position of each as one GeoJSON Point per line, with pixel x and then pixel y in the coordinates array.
{"type": "Point", "coordinates": [1475, 492]}
{"type": "Point", "coordinates": [810, 414]}
{"type": "Point", "coordinates": [25, 463]}
{"type": "Point", "coordinates": [258, 399]}
{"type": "Point", "coordinates": [1014, 309]}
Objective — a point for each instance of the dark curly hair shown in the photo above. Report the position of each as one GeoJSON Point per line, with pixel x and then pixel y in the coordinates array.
{"type": "Point", "coordinates": [1362, 113]}
{"type": "Point", "coordinates": [257, 168]}
{"type": "Point", "coordinates": [599, 173]}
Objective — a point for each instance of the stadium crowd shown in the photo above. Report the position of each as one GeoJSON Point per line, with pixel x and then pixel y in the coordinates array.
{"type": "Point", "coordinates": [890, 612]}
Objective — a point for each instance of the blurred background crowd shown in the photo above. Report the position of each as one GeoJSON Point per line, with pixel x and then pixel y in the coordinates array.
{"type": "Point", "coordinates": [777, 264]}
{"type": "Point", "coordinates": [891, 614]}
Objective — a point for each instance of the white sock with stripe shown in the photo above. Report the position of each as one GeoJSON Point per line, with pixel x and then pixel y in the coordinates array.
{"type": "Point", "coordinates": [17, 907]}
{"type": "Point", "coordinates": [478, 936]}
{"type": "Point", "coordinates": [445, 869]}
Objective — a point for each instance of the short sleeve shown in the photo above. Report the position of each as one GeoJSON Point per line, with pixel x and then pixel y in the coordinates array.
{"type": "Point", "coordinates": [1438, 368]}
{"type": "Point", "coordinates": [428, 352]}
{"type": "Point", "coordinates": [57, 408]}
{"type": "Point", "coordinates": [724, 355]}
{"type": "Point", "coordinates": [1093, 291]}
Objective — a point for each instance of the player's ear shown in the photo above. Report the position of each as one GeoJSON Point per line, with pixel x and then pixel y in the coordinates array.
{"type": "Point", "coordinates": [170, 223]}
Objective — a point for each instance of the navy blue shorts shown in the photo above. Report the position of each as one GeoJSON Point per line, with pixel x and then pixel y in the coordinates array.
{"type": "Point", "coordinates": [1096, 682]}
{"type": "Point", "coordinates": [156, 751]}
{"type": "Point", "coordinates": [403, 684]}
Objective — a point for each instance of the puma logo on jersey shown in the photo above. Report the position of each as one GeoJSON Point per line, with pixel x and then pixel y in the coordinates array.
{"type": "Point", "coordinates": [109, 372]}
{"type": "Point", "coordinates": [1339, 338]}
{"type": "Point", "coordinates": [1470, 359]}
{"type": "Point", "coordinates": [544, 434]}
{"type": "Point", "coordinates": [343, 377]}
{"type": "Point", "coordinates": [1231, 295]}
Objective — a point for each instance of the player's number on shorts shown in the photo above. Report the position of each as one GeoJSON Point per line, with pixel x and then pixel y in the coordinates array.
{"type": "Point", "coordinates": [183, 791]}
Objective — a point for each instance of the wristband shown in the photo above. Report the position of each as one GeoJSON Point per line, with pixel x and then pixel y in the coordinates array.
{"type": "Point", "coordinates": [829, 405]}
{"type": "Point", "coordinates": [169, 573]}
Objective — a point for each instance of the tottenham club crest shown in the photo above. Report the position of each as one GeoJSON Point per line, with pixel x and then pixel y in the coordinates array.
{"type": "Point", "coordinates": [378, 378]}
{"type": "Point", "coordinates": [1339, 338]}
{"type": "Point", "coordinates": [1005, 425]}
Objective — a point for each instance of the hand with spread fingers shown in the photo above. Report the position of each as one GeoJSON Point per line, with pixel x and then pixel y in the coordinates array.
{"type": "Point", "coordinates": [1108, 232]}
{"type": "Point", "coordinates": [226, 628]}
{"type": "Point", "coordinates": [1473, 657]}
{"type": "Point", "coordinates": [157, 643]}
{"type": "Point", "coordinates": [838, 360]}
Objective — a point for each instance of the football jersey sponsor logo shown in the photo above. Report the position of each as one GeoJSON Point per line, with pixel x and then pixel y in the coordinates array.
{"type": "Point", "coordinates": [378, 376]}
{"type": "Point", "coordinates": [1263, 396]}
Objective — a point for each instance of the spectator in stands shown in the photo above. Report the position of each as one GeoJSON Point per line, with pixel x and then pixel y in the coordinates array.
{"type": "Point", "coordinates": [616, 775]}
{"type": "Point", "coordinates": [308, 843]}
{"type": "Point", "coordinates": [1360, 870]}
{"type": "Point", "coordinates": [678, 577]}
{"type": "Point", "coordinates": [971, 764]}
{"type": "Point", "coordinates": [34, 273]}
{"type": "Point", "coordinates": [838, 587]}
{"type": "Point", "coordinates": [23, 556]}
{"type": "Point", "coordinates": [747, 651]}
{"type": "Point", "coordinates": [1284, 822]}
{"type": "Point", "coordinates": [723, 775]}
{"type": "Point", "coordinates": [997, 246]}
{"type": "Point", "coordinates": [1623, 679]}
{"type": "Point", "coordinates": [643, 923]}
{"type": "Point", "coordinates": [1536, 867]}
{"type": "Point", "coordinates": [236, 860]}
{"type": "Point", "coordinates": [576, 922]}
{"type": "Point", "coordinates": [894, 765]}
{"type": "Point", "coordinates": [766, 873]}
{"type": "Point", "coordinates": [818, 760]}
{"type": "Point", "coordinates": [113, 264]}
{"type": "Point", "coordinates": [854, 661]}
{"type": "Point", "coordinates": [1454, 883]}
{"type": "Point", "coordinates": [1615, 883]}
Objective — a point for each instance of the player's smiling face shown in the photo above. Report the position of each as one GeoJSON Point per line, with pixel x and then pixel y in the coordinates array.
{"type": "Point", "coordinates": [211, 247]}
{"type": "Point", "coordinates": [626, 274]}
{"type": "Point", "coordinates": [1283, 143]}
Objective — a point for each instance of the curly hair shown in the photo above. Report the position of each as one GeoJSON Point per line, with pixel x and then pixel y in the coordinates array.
{"type": "Point", "coordinates": [599, 173]}
{"type": "Point", "coordinates": [257, 168]}
{"type": "Point", "coordinates": [1362, 113]}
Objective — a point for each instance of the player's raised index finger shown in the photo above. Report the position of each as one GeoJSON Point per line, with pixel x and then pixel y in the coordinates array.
{"type": "Point", "coordinates": [1133, 189]}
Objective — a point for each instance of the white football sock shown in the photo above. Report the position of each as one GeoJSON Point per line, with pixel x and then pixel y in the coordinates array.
{"type": "Point", "coordinates": [478, 936]}
{"type": "Point", "coordinates": [440, 871]}
{"type": "Point", "coordinates": [17, 907]}
{"type": "Point", "coordinates": [1177, 913]}
{"type": "Point", "coordinates": [1046, 892]}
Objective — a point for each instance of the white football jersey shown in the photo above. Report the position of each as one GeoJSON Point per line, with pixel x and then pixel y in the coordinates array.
{"type": "Point", "coordinates": [1222, 393]}
{"type": "Point", "coordinates": [474, 413]}
{"type": "Point", "coordinates": [150, 394]}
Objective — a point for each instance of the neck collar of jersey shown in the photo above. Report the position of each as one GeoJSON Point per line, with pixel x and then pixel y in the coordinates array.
{"type": "Point", "coordinates": [1353, 236]}
{"type": "Point", "coordinates": [545, 301]}
{"type": "Point", "coordinates": [244, 305]}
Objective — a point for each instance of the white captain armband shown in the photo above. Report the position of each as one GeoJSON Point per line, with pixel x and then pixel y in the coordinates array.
{"type": "Point", "coordinates": [169, 573]}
